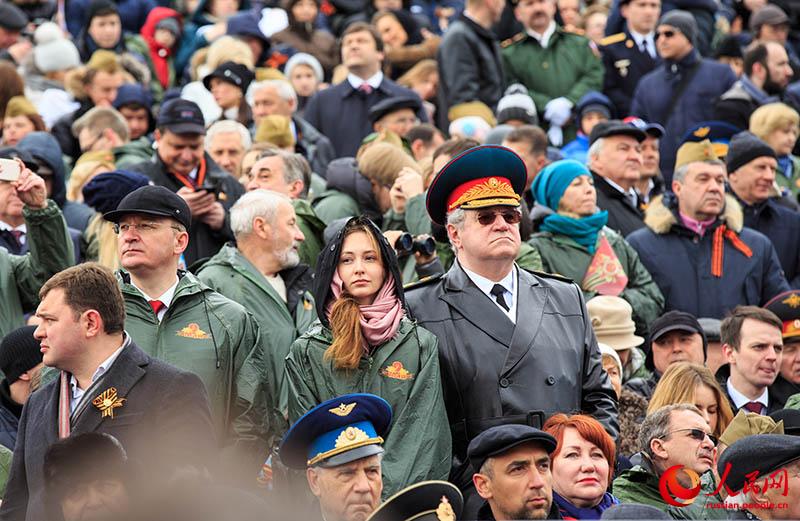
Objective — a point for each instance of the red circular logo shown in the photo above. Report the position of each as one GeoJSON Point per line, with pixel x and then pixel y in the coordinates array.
{"type": "Point", "coordinates": [673, 492]}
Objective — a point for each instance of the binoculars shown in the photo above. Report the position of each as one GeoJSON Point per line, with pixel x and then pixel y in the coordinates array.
{"type": "Point", "coordinates": [407, 244]}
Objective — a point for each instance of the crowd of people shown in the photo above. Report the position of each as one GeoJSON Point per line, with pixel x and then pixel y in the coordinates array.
{"type": "Point", "coordinates": [399, 259]}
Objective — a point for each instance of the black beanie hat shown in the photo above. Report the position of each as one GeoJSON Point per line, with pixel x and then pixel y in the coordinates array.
{"type": "Point", "coordinates": [19, 352]}
{"type": "Point", "coordinates": [745, 147]}
{"type": "Point", "coordinates": [683, 21]}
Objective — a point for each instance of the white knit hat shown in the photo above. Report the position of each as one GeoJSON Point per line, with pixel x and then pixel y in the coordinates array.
{"type": "Point", "coordinates": [53, 52]}
{"type": "Point", "coordinates": [516, 103]}
{"type": "Point", "coordinates": [302, 58]}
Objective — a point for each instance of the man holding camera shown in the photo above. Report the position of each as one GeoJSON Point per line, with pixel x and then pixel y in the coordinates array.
{"type": "Point", "coordinates": [182, 165]}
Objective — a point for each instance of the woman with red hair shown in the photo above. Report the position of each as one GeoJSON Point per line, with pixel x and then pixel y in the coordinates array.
{"type": "Point", "coordinates": [582, 466]}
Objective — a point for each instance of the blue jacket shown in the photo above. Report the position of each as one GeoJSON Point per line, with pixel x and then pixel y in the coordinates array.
{"type": "Point", "coordinates": [577, 149]}
{"type": "Point", "coordinates": [680, 262]}
{"type": "Point", "coordinates": [654, 93]}
{"type": "Point", "coordinates": [132, 13]}
{"type": "Point", "coordinates": [341, 113]}
{"type": "Point", "coordinates": [782, 226]}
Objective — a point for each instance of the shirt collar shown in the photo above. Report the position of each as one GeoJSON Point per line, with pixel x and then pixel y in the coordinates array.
{"type": "Point", "coordinates": [486, 285]}
{"type": "Point", "coordinates": [8, 227]}
{"type": "Point", "coordinates": [165, 298]}
{"type": "Point", "coordinates": [101, 369]}
{"type": "Point", "coordinates": [639, 38]}
{"type": "Point", "coordinates": [630, 193]}
{"type": "Point", "coordinates": [373, 81]}
{"type": "Point", "coordinates": [739, 400]}
{"type": "Point", "coordinates": [544, 38]}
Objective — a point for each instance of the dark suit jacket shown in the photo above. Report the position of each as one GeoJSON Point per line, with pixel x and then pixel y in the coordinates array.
{"type": "Point", "coordinates": [623, 217]}
{"type": "Point", "coordinates": [164, 422]}
{"type": "Point", "coordinates": [776, 403]}
{"type": "Point", "coordinates": [341, 113]}
{"type": "Point", "coordinates": [625, 65]}
{"type": "Point", "coordinates": [494, 371]}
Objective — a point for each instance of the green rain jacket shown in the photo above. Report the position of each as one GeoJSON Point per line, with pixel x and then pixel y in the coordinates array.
{"type": "Point", "coordinates": [405, 372]}
{"type": "Point", "coordinates": [21, 276]}
{"type": "Point", "coordinates": [312, 228]}
{"type": "Point", "coordinates": [231, 274]}
{"type": "Point", "coordinates": [563, 256]}
{"type": "Point", "coordinates": [219, 341]}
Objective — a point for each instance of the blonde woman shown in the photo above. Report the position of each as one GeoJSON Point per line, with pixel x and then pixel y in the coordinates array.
{"type": "Point", "coordinates": [778, 125]}
{"type": "Point", "coordinates": [684, 382]}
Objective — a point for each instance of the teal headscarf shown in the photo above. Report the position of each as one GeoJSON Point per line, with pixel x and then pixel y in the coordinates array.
{"type": "Point", "coordinates": [548, 188]}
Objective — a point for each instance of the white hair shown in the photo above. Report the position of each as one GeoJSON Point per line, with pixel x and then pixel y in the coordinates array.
{"type": "Point", "coordinates": [284, 88]}
{"type": "Point", "coordinates": [227, 126]}
{"type": "Point", "coordinates": [595, 148]}
{"type": "Point", "coordinates": [457, 217]}
{"type": "Point", "coordinates": [258, 203]}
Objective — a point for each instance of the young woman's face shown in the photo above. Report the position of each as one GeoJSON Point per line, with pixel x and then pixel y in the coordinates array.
{"type": "Point", "coordinates": [426, 88]}
{"type": "Point", "coordinates": [305, 11]}
{"type": "Point", "coordinates": [392, 32]}
{"type": "Point", "coordinates": [361, 267]}
{"type": "Point", "coordinates": [303, 80]}
{"type": "Point", "coordinates": [225, 94]}
{"type": "Point", "coordinates": [16, 128]}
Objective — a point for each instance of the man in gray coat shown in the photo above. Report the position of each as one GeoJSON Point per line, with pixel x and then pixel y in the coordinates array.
{"type": "Point", "coordinates": [514, 346]}
{"type": "Point", "coordinates": [107, 384]}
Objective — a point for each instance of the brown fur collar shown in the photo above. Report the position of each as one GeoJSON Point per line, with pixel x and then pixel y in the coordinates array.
{"type": "Point", "coordinates": [660, 219]}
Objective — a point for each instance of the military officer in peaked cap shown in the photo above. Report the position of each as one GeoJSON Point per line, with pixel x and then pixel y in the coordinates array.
{"type": "Point", "coordinates": [514, 346]}
{"type": "Point", "coordinates": [338, 444]}
{"type": "Point", "coordinates": [787, 307]}
{"type": "Point", "coordinates": [423, 501]}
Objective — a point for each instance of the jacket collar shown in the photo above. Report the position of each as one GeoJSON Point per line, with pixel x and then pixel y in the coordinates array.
{"type": "Point", "coordinates": [758, 95]}
{"type": "Point", "coordinates": [481, 31]}
{"type": "Point", "coordinates": [661, 219]}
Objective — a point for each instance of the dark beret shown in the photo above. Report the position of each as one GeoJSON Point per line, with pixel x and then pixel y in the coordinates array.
{"type": "Point", "coordinates": [502, 438]}
{"type": "Point", "coordinates": [762, 453]}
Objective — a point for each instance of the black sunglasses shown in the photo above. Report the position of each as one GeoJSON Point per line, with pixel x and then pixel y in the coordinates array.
{"type": "Point", "coordinates": [698, 435]}
{"type": "Point", "coordinates": [665, 34]}
{"type": "Point", "coordinates": [509, 216]}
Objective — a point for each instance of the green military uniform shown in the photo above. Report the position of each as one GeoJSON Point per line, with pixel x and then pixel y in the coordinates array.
{"type": "Point", "coordinates": [232, 275]}
{"type": "Point", "coordinates": [404, 371]}
{"type": "Point", "coordinates": [560, 254]}
{"type": "Point", "coordinates": [21, 276]}
{"type": "Point", "coordinates": [568, 67]}
{"type": "Point", "coordinates": [312, 228]}
{"type": "Point", "coordinates": [5, 468]}
{"type": "Point", "coordinates": [219, 341]}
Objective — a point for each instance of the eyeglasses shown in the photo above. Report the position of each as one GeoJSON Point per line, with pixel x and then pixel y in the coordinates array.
{"type": "Point", "coordinates": [696, 434]}
{"type": "Point", "coordinates": [665, 34]}
{"type": "Point", "coordinates": [509, 216]}
{"type": "Point", "coordinates": [144, 227]}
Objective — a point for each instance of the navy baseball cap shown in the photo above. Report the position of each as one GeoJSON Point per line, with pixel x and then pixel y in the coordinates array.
{"type": "Point", "coordinates": [181, 116]}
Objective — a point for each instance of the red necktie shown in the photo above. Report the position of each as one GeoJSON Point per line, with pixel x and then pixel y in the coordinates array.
{"type": "Point", "coordinates": [157, 306]}
{"type": "Point", "coordinates": [753, 407]}
{"type": "Point", "coordinates": [366, 88]}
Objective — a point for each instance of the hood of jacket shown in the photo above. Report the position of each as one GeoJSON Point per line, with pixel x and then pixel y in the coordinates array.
{"type": "Point", "coordinates": [661, 215]}
{"type": "Point", "coordinates": [44, 147]}
{"type": "Point", "coordinates": [159, 13]}
{"type": "Point", "coordinates": [329, 261]}
{"type": "Point", "coordinates": [343, 176]}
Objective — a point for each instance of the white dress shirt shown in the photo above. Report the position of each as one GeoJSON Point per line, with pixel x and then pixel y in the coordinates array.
{"type": "Point", "coordinates": [648, 39]}
{"type": "Point", "coordinates": [544, 38]}
{"type": "Point", "coordinates": [165, 298]}
{"type": "Point", "coordinates": [739, 400]}
{"type": "Point", "coordinates": [77, 392]}
{"type": "Point", "coordinates": [373, 81]}
{"type": "Point", "coordinates": [509, 283]}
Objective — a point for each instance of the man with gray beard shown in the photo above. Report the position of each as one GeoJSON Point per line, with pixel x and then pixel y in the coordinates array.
{"type": "Point", "coordinates": [263, 272]}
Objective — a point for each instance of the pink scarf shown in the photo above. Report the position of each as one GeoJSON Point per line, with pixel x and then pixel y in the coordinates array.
{"type": "Point", "coordinates": [379, 320]}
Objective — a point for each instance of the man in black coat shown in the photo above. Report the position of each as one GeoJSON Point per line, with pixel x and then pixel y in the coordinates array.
{"type": "Point", "coordinates": [752, 167]}
{"type": "Point", "coordinates": [470, 66]}
{"type": "Point", "coordinates": [514, 346]}
{"type": "Point", "coordinates": [341, 112]}
{"type": "Point", "coordinates": [182, 165]}
{"type": "Point", "coordinates": [107, 384]}
{"type": "Point", "coordinates": [615, 159]}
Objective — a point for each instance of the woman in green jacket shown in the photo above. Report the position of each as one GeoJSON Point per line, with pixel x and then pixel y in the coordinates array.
{"type": "Point", "coordinates": [364, 343]}
{"type": "Point", "coordinates": [574, 242]}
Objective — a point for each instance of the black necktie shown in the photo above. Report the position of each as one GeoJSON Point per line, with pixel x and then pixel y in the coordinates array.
{"type": "Point", "coordinates": [497, 292]}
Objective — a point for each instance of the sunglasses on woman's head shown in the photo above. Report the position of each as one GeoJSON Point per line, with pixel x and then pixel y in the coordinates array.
{"type": "Point", "coordinates": [509, 216]}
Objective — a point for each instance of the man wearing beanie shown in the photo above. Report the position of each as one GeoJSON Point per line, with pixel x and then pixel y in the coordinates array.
{"type": "Point", "coordinates": [751, 176]}
{"type": "Point", "coordinates": [767, 72]}
{"type": "Point", "coordinates": [21, 364]}
{"type": "Point", "coordinates": [677, 94]}
{"type": "Point", "coordinates": [695, 244]}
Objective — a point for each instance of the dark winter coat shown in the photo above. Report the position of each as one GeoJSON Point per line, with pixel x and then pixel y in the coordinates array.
{"type": "Point", "coordinates": [341, 113]}
{"type": "Point", "coordinates": [775, 402]}
{"type": "Point", "coordinates": [623, 217]}
{"type": "Point", "coordinates": [651, 102]}
{"type": "Point", "coordinates": [315, 147]}
{"type": "Point", "coordinates": [10, 411]}
{"type": "Point", "coordinates": [680, 262]}
{"type": "Point", "coordinates": [737, 104]}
